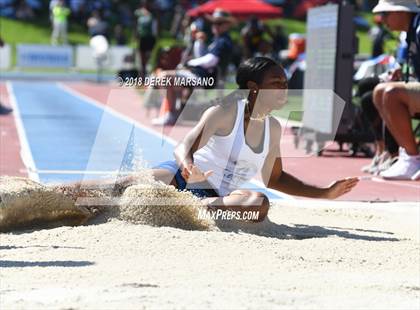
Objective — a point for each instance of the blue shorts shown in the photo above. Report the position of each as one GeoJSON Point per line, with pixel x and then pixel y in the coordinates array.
{"type": "Point", "coordinates": [172, 166]}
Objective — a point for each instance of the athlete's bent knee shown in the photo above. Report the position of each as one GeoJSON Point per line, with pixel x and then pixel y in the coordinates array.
{"type": "Point", "coordinates": [392, 96]}
{"type": "Point", "coordinates": [378, 94]}
{"type": "Point", "coordinates": [261, 203]}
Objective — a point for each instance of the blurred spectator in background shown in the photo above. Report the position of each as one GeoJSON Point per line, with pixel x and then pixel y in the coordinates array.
{"type": "Point", "coordinates": [200, 46]}
{"type": "Point", "coordinates": [164, 13]}
{"type": "Point", "coordinates": [24, 11]}
{"type": "Point", "coordinates": [297, 46]}
{"type": "Point", "coordinates": [367, 5]}
{"type": "Point", "coordinates": [212, 64]}
{"type": "Point", "coordinates": [195, 40]}
{"type": "Point", "coordinates": [3, 110]}
{"type": "Point", "coordinates": [204, 26]}
{"type": "Point", "coordinates": [52, 5]}
{"type": "Point", "coordinates": [102, 6]}
{"type": "Point", "coordinates": [396, 101]}
{"type": "Point", "coordinates": [379, 34]}
{"type": "Point", "coordinates": [123, 13]}
{"type": "Point", "coordinates": [252, 36]}
{"type": "Point", "coordinates": [78, 9]}
{"type": "Point", "coordinates": [402, 50]}
{"type": "Point", "coordinates": [279, 40]}
{"type": "Point", "coordinates": [119, 36]}
{"type": "Point", "coordinates": [146, 31]}
{"type": "Point", "coordinates": [60, 15]}
{"type": "Point", "coordinates": [180, 11]}
{"type": "Point", "coordinates": [96, 25]}
{"type": "Point", "coordinates": [289, 7]}
{"type": "Point", "coordinates": [184, 29]}
{"type": "Point", "coordinates": [265, 49]}
{"type": "Point", "coordinates": [168, 59]}
{"type": "Point", "coordinates": [7, 9]}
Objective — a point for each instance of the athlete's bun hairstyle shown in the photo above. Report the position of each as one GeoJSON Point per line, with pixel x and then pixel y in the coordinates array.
{"type": "Point", "coordinates": [254, 69]}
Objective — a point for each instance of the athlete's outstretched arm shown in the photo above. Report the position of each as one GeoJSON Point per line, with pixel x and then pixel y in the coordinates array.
{"type": "Point", "coordinates": [274, 177]}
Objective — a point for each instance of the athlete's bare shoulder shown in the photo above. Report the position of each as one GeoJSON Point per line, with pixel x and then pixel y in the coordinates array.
{"type": "Point", "coordinates": [275, 126]}
{"type": "Point", "coordinates": [217, 113]}
{"type": "Point", "coordinates": [222, 115]}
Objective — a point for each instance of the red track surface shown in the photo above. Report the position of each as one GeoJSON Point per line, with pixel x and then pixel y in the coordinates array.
{"type": "Point", "coordinates": [10, 160]}
{"type": "Point", "coordinates": [315, 170]}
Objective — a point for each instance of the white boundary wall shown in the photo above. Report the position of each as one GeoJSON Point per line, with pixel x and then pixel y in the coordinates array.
{"type": "Point", "coordinates": [115, 57]}
{"type": "Point", "coordinates": [5, 57]}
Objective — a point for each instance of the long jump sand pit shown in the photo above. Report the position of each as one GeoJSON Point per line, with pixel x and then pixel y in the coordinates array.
{"type": "Point", "coordinates": [309, 254]}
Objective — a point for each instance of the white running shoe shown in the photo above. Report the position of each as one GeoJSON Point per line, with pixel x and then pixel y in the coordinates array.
{"type": "Point", "coordinates": [385, 165]}
{"type": "Point", "coordinates": [372, 165]}
{"type": "Point", "coordinates": [384, 157]}
{"type": "Point", "coordinates": [405, 168]}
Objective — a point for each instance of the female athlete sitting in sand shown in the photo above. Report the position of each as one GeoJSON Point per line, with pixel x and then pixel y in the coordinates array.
{"type": "Point", "coordinates": [235, 140]}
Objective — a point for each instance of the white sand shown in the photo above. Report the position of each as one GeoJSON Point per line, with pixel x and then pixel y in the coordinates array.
{"type": "Point", "coordinates": [328, 255]}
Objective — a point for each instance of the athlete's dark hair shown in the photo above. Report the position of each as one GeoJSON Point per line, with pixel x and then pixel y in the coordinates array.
{"type": "Point", "coordinates": [253, 69]}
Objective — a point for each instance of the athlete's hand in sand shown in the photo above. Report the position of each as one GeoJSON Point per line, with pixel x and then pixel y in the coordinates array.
{"type": "Point", "coordinates": [192, 174]}
{"type": "Point", "coordinates": [340, 187]}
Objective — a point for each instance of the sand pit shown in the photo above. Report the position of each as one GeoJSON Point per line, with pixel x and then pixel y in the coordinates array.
{"type": "Point", "coordinates": [27, 204]}
{"type": "Point", "coordinates": [161, 205]}
{"type": "Point", "coordinates": [322, 255]}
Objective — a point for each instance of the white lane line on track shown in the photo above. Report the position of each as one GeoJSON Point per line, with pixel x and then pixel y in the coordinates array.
{"type": "Point", "coordinates": [113, 112]}
{"type": "Point", "coordinates": [25, 151]}
{"type": "Point", "coordinates": [379, 180]}
{"type": "Point", "coordinates": [91, 172]}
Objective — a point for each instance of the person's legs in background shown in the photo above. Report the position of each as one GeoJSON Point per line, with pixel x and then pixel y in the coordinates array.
{"type": "Point", "coordinates": [376, 125]}
{"type": "Point", "coordinates": [392, 148]}
{"type": "Point", "coordinates": [55, 33]}
{"type": "Point", "coordinates": [146, 45]}
{"type": "Point", "coordinates": [169, 112]}
{"type": "Point", "coordinates": [395, 103]}
{"type": "Point", "coordinates": [386, 148]}
{"type": "Point", "coordinates": [63, 32]}
{"type": "Point", "coordinates": [144, 58]}
{"type": "Point", "coordinates": [397, 116]}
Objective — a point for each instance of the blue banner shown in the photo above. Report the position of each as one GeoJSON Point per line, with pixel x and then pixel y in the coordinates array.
{"type": "Point", "coordinates": [46, 56]}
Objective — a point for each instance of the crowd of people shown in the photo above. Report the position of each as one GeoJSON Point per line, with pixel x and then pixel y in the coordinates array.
{"type": "Point", "coordinates": [149, 20]}
{"type": "Point", "coordinates": [391, 101]}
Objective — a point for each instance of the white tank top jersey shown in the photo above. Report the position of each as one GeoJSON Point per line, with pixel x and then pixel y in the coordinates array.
{"type": "Point", "coordinates": [233, 162]}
